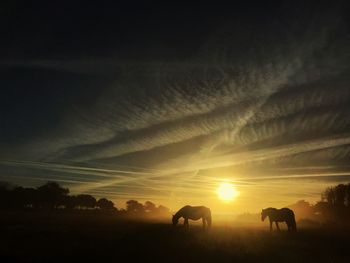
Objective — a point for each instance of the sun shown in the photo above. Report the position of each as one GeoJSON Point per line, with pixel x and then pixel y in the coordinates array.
{"type": "Point", "coordinates": [227, 192]}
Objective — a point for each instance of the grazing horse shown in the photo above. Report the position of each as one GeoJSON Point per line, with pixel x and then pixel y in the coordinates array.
{"type": "Point", "coordinates": [193, 213]}
{"type": "Point", "coordinates": [280, 215]}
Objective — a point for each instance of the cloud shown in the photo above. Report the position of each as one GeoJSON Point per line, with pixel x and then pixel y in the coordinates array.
{"type": "Point", "coordinates": [253, 94]}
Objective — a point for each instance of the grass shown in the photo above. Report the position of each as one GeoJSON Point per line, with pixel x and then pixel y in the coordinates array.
{"type": "Point", "coordinates": [37, 237]}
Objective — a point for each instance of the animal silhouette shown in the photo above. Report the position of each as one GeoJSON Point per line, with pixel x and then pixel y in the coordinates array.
{"type": "Point", "coordinates": [193, 213]}
{"type": "Point", "coordinates": [280, 215]}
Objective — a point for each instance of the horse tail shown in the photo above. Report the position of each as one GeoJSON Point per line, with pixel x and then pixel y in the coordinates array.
{"type": "Point", "coordinates": [209, 218]}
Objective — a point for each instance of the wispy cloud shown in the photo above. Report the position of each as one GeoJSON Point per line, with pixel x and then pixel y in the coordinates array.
{"type": "Point", "coordinates": [246, 99]}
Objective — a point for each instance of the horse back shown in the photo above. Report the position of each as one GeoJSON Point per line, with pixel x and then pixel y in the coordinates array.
{"type": "Point", "coordinates": [197, 212]}
{"type": "Point", "coordinates": [280, 215]}
{"type": "Point", "coordinates": [286, 214]}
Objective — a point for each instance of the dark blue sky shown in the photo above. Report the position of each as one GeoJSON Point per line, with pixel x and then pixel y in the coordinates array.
{"type": "Point", "coordinates": [165, 101]}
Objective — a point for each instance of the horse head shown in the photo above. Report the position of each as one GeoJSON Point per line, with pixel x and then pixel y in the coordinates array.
{"type": "Point", "coordinates": [263, 214]}
{"type": "Point", "coordinates": [175, 220]}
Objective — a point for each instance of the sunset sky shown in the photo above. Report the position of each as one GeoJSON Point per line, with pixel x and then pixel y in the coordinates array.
{"type": "Point", "coordinates": [166, 102]}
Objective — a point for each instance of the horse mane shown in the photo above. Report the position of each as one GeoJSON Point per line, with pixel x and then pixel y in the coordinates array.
{"type": "Point", "coordinates": [178, 214]}
{"type": "Point", "coordinates": [269, 209]}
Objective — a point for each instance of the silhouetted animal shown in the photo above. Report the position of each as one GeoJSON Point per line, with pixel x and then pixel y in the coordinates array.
{"type": "Point", "coordinates": [193, 213]}
{"type": "Point", "coordinates": [280, 215]}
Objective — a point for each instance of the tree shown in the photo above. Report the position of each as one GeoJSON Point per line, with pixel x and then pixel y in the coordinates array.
{"type": "Point", "coordinates": [163, 210]}
{"type": "Point", "coordinates": [86, 201]}
{"type": "Point", "coordinates": [302, 209]}
{"type": "Point", "coordinates": [26, 197]}
{"type": "Point", "coordinates": [134, 206]}
{"type": "Point", "coordinates": [105, 204]}
{"type": "Point", "coordinates": [329, 195]}
{"type": "Point", "coordinates": [337, 196]}
{"type": "Point", "coordinates": [340, 194]}
{"type": "Point", "coordinates": [6, 186]}
{"type": "Point", "coordinates": [6, 197]}
{"type": "Point", "coordinates": [347, 196]}
{"type": "Point", "coordinates": [51, 195]}
{"type": "Point", "coordinates": [150, 207]}
{"type": "Point", "coordinates": [70, 202]}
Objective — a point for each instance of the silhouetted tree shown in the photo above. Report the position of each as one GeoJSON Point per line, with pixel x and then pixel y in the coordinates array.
{"type": "Point", "coordinates": [70, 202]}
{"type": "Point", "coordinates": [302, 209]}
{"type": "Point", "coordinates": [6, 197]}
{"type": "Point", "coordinates": [322, 208]}
{"type": "Point", "coordinates": [163, 210]}
{"type": "Point", "coordinates": [25, 197]}
{"type": "Point", "coordinates": [86, 201]}
{"type": "Point", "coordinates": [105, 204]}
{"type": "Point", "coordinates": [134, 206]}
{"type": "Point", "coordinates": [150, 207]}
{"type": "Point", "coordinates": [347, 195]}
{"type": "Point", "coordinates": [335, 204]}
{"type": "Point", "coordinates": [340, 194]}
{"type": "Point", "coordinates": [6, 186]}
{"type": "Point", "coordinates": [337, 196]}
{"type": "Point", "coordinates": [329, 195]}
{"type": "Point", "coordinates": [51, 195]}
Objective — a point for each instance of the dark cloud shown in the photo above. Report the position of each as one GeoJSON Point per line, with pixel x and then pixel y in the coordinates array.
{"type": "Point", "coordinates": [176, 89]}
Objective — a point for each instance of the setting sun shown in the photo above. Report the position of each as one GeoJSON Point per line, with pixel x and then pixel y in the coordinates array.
{"type": "Point", "coordinates": [227, 191]}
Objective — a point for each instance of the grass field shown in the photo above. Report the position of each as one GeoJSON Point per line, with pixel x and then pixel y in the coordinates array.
{"type": "Point", "coordinates": [48, 238]}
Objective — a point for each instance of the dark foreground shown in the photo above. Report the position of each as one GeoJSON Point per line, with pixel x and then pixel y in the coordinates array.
{"type": "Point", "coordinates": [62, 238]}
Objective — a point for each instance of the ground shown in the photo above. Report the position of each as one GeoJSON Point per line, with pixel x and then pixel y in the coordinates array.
{"type": "Point", "coordinates": [63, 238]}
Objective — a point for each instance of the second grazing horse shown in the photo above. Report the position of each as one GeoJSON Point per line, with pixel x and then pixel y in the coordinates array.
{"type": "Point", "coordinates": [280, 215]}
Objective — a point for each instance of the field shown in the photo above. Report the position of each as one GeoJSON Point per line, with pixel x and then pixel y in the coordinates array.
{"type": "Point", "coordinates": [60, 238]}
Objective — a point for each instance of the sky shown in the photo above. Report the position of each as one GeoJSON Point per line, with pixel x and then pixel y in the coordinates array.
{"type": "Point", "coordinates": [164, 102]}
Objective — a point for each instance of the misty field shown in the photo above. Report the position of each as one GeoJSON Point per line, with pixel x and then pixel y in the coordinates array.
{"type": "Point", "coordinates": [33, 238]}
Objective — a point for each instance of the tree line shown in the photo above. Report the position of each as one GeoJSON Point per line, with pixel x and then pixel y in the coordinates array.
{"type": "Point", "coordinates": [52, 196]}
{"type": "Point", "coordinates": [334, 206]}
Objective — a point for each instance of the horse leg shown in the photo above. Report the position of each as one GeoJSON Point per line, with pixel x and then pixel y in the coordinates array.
{"type": "Point", "coordinates": [278, 228]}
{"type": "Point", "coordinates": [270, 225]}
{"type": "Point", "coordinates": [208, 220]}
{"type": "Point", "coordinates": [294, 226]}
{"type": "Point", "coordinates": [186, 223]}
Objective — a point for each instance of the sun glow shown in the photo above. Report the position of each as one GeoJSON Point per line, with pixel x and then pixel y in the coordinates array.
{"type": "Point", "coordinates": [227, 192]}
